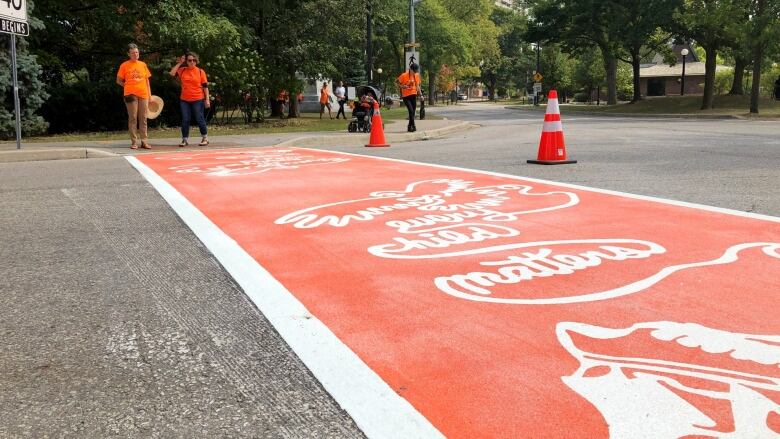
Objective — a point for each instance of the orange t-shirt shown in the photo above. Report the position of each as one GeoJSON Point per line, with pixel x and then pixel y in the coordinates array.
{"type": "Point", "coordinates": [408, 83]}
{"type": "Point", "coordinates": [135, 74]}
{"type": "Point", "coordinates": [192, 81]}
{"type": "Point", "coordinates": [324, 95]}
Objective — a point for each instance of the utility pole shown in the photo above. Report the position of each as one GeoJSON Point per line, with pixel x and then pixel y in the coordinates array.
{"type": "Point", "coordinates": [536, 94]}
{"type": "Point", "coordinates": [369, 44]}
{"type": "Point", "coordinates": [411, 23]}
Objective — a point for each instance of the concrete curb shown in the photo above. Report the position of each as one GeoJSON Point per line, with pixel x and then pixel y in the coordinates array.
{"type": "Point", "coordinates": [361, 139]}
{"type": "Point", "coordinates": [69, 153]}
{"type": "Point", "coordinates": [30, 155]}
{"type": "Point", "coordinates": [643, 115]}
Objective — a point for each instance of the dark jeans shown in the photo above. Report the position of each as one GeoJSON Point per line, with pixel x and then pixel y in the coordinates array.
{"type": "Point", "coordinates": [411, 107]}
{"type": "Point", "coordinates": [341, 109]}
{"type": "Point", "coordinates": [188, 109]}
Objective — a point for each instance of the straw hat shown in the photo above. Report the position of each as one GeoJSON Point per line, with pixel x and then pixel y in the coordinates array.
{"type": "Point", "coordinates": [155, 107]}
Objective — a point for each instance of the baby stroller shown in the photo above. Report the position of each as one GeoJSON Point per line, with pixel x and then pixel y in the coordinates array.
{"type": "Point", "coordinates": [363, 109]}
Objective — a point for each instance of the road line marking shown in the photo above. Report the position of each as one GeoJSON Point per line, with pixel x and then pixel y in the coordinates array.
{"type": "Point", "coordinates": [376, 408]}
{"type": "Point", "coordinates": [576, 186]}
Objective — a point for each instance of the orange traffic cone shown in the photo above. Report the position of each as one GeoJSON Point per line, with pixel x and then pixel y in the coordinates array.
{"type": "Point", "coordinates": [552, 150]}
{"type": "Point", "coordinates": [377, 137]}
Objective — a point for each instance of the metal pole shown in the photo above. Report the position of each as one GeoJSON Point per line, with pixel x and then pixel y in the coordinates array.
{"type": "Point", "coordinates": [16, 93]}
{"type": "Point", "coordinates": [536, 94]}
{"type": "Point", "coordinates": [411, 23]}
{"type": "Point", "coordinates": [682, 81]}
{"type": "Point", "coordinates": [538, 46]}
{"type": "Point", "coordinates": [369, 45]}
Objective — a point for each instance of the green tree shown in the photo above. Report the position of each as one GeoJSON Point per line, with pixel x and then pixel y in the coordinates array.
{"type": "Point", "coordinates": [511, 65]}
{"type": "Point", "coordinates": [637, 26]}
{"type": "Point", "coordinates": [443, 39]}
{"type": "Point", "coordinates": [31, 88]}
{"type": "Point", "coordinates": [710, 23]}
{"type": "Point", "coordinates": [588, 71]}
{"type": "Point", "coordinates": [765, 29]}
{"type": "Point", "coordinates": [577, 24]}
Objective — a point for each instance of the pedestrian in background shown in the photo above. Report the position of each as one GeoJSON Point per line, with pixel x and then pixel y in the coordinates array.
{"type": "Point", "coordinates": [325, 100]}
{"type": "Point", "coordinates": [282, 100]}
{"type": "Point", "coordinates": [341, 98]}
{"type": "Point", "coordinates": [409, 84]}
{"type": "Point", "coordinates": [194, 98]}
{"type": "Point", "coordinates": [133, 76]}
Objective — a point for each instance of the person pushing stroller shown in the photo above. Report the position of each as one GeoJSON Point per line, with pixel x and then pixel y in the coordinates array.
{"type": "Point", "coordinates": [362, 111]}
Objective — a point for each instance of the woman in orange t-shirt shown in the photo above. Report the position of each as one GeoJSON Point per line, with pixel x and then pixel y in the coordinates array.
{"type": "Point", "coordinates": [409, 84]}
{"type": "Point", "coordinates": [194, 97]}
{"type": "Point", "coordinates": [325, 100]}
{"type": "Point", "coordinates": [133, 76]}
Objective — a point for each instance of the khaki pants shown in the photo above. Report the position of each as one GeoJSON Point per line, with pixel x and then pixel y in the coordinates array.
{"type": "Point", "coordinates": [136, 119]}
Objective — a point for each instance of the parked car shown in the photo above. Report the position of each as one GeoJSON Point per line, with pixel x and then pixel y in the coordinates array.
{"type": "Point", "coordinates": [462, 97]}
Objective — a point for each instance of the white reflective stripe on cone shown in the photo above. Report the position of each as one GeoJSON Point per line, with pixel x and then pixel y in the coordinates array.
{"type": "Point", "coordinates": [551, 127]}
{"type": "Point", "coordinates": [552, 106]}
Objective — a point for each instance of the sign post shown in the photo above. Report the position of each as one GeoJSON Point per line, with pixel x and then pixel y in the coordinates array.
{"type": "Point", "coordinates": [13, 20]}
{"type": "Point", "coordinates": [537, 91]}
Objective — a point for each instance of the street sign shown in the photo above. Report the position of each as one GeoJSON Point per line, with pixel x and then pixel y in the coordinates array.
{"type": "Point", "coordinates": [538, 77]}
{"type": "Point", "coordinates": [15, 10]}
{"type": "Point", "coordinates": [13, 20]}
{"type": "Point", "coordinates": [13, 17]}
{"type": "Point", "coordinates": [14, 27]}
{"type": "Point", "coordinates": [416, 55]}
{"type": "Point", "coordinates": [537, 87]}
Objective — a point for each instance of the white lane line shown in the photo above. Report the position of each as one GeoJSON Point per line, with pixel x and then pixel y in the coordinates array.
{"type": "Point", "coordinates": [377, 410]}
{"type": "Point", "coordinates": [575, 186]}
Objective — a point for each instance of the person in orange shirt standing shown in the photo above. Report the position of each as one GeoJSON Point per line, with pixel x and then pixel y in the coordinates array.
{"type": "Point", "coordinates": [325, 100]}
{"type": "Point", "coordinates": [409, 84]}
{"type": "Point", "coordinates": [133, 76]}
{"type": "Point", "coordinates": [194, 97]}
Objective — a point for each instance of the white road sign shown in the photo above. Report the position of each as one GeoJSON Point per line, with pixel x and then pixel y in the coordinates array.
{"type": "Point", "coordinates": [15, 10]}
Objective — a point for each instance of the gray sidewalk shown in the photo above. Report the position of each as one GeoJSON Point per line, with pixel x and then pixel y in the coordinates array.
{"type": "Point", "coordinates": [395, 132]}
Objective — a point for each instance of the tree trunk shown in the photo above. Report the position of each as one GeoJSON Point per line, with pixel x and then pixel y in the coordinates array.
{"type": "Point", "coordinates": [755, 89]}
{"type": "Point", "coordinates": [276, 109]}
{"type": "Point", "coordinates": [432, 84]}
{"type": "Point", "coordinates": [295, 110]}
{"type": "Point", "coordinates": [739, 76]}
{"type": "Point", "coordinates": [709, 77]}
{"type": "Point", "coordinates": [635, 70]}
{"type": "Point", "coordinates": [758, 55]}
{"type": "Point", "coordinates": [610, 68]}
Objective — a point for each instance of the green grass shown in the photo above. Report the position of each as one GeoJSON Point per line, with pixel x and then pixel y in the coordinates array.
{"type": "Point", "coordinates": [308, 122]}
{"type": "Point", "coordinates": [689, 105]}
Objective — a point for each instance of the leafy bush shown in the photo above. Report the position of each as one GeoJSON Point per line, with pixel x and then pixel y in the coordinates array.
{"type": "Point", "coordinates": [88, 106]}
{"type": "Point", "coordinates": [723, 80]}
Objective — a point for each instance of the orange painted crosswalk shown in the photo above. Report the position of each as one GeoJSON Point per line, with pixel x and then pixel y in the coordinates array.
{"type": "Point", "coordinates": [498, 306]}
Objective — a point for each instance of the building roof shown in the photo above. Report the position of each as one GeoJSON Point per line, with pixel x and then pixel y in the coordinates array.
{"type": "Point", "coordinates": [663, 70]}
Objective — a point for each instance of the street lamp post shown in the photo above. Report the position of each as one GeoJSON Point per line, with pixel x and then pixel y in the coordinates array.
{"type": "Point", "coordinates": [538, 48]}
{"type": "Point", "coordinates": [482, 92]}
{"type": "Point", "coordinates": [379, 78]}
{"type": "Point", "coordinates": [684, 54]}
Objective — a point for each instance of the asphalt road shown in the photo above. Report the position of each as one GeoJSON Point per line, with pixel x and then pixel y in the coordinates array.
{"type": "Point", "coordinates": [116, 322]}
{"type": "Point", "coordinates": [719, 162]}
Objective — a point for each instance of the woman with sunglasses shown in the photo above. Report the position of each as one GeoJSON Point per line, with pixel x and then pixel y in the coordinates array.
{"type": "Point", "coordinates": [194, 96]}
